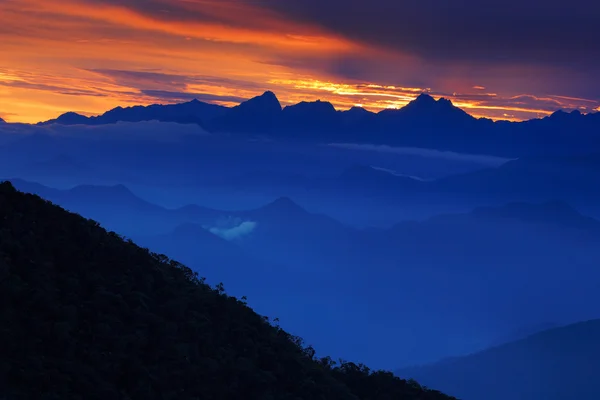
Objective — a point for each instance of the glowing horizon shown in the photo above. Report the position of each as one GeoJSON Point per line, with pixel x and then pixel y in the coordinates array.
{"type": "Point", "coordinates": [89, 56]}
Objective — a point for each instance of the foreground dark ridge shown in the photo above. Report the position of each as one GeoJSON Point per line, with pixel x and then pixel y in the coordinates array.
{"type": "Point", "coordinates": [85, 314]}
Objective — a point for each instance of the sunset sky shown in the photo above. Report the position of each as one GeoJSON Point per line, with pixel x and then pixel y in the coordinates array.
{"type": "Point", "coordinates": [504, 59]}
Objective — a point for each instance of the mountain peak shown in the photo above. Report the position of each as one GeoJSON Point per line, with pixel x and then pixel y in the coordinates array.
{"type": "Point", "coordinates": [427, 101]}
{"type": "Point", "coordinates": [269, 94]}
{"type": "Point", "coordinates": [2, 121]}
{"type": "Point", "coordinates": [424, 98]}
{"type": "Point", "coordinates": [70, 118]}
{"type": "Point", "coordinates": [284, 205]}
{"type": "Point", "coordinates": [266, 103]}
{"type": "Point", "coordinates": [562, 114]}
{"type": "Point", "coordinates": [425, 106]}
{"type": "Point", "coordinates": [357, 109]}
{"type": "Point", "coordinates": [445, 101]}
{"type": "Point", "coordinates": [311, 106]}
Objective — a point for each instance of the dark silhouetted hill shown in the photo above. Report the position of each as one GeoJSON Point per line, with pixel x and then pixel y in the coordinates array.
{"type": "Point", "coordinates": [89, 315]}
{"type": "Point", "coordinates": [557, 364]}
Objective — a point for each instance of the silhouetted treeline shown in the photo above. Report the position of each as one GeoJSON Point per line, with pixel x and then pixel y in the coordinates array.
{"type": "Point", "coordinates": [85, 314]}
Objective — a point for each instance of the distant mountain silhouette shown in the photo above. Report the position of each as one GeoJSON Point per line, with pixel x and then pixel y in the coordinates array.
{"type": "Point", "coordinates": [110, 204]}
{"type": "Point", "coordinates": [555, 212]}
{"type": "Point", "coordinates": [2, 121]}
{"type": "Point", "coordinates": [557, 364]}
{"type": "Point", "coordinates": [192, 112]}
{"type": "Point", "coordinates": [426, 107]}
{"type": "Point", "coordinates": [283, 206]}
{"type": "Point", "coordinates": [423, 122]}
{"type": "Point", "coordinates": [357, 112]}
{"type": "Point", "coordinates": [531, 177]}
{"type": "Point", "coordinates": [120, 206]}
{"type": "Point", "coordinates": [71, 118]}
{"type": "Point", "coordinates": [310, 119]}
{"type": "Point", "coordinates": [284, 219]}
{"type": "Point", "coordinates": [265, 104]}
{"type": "Point", "coordinates": [525, 332]}
{"type": "Point", "coordinates": [259, 115]}
{"type": "Point", "coordinates": [572, 179]}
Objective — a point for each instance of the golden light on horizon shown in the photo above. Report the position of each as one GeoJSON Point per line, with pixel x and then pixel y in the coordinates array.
{"type": "Point", "coordinates": [71, 55]}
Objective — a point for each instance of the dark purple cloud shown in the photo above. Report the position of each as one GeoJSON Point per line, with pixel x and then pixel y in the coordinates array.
{"type": "Point", "coordinates": [51, 88]}
{"type": "Point", "coordinates": [144, 78]}
{"type": "Point", "coordinates": [548, 45]}
{"type": "Point", "coordinates": [562, 33]}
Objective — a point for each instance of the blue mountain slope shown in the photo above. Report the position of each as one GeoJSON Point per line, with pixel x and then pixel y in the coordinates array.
{"type": "Point", "coordinates": [556, 364]}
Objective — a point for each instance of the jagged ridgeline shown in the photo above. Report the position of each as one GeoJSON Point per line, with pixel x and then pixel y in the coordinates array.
{"type": "Point", "coordinates": [85, 314]}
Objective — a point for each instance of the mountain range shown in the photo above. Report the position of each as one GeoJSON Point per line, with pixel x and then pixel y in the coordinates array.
{"type": "Point", "coordinates": [477, 266]}
{"type": "Point", "coordinates": [572, 179]}
{"type": "Point", "coordinates": [424, 122]}
{"type": "Point", "coordinates": [90, 315]}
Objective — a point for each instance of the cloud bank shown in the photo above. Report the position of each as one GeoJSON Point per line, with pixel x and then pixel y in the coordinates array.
{"type": "Point", "coordinates": [145, 130]}
{"type": "Point", "coordinates": [232, 228]}
{"type": "Point", "coordinates": [428, 153]}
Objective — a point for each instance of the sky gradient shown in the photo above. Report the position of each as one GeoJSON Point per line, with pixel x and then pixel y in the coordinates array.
{"type": "Point", "coordinates": [508, 60]}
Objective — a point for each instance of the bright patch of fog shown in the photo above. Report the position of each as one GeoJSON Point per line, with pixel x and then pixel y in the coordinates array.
{"type": "Point", "coordinates": [482, 159]}
{"type": "Point", "coordinates": [392, 172]}
{"type": "Point", "coordinates": [232, 228]}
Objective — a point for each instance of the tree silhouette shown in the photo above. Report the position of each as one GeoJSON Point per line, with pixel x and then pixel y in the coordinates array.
{"type": "Point", "coordinates": [85, 314]}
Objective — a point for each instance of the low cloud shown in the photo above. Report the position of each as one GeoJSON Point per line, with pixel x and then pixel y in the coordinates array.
{"type": "Point", "coordinates": [428, 153]}
{"type": "Point", "coordinates": [233, 228]}
{"type": "Point", "coordinates": [392, 172]}
{"type": "Point", "coordinates": [145, 130]}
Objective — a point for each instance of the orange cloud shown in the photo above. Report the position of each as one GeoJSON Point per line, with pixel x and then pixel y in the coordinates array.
{"type": "Point", "coordinates": [86, 56]}
{"type": "Point", "coordinates": [218, 32]}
